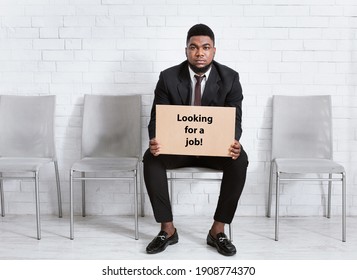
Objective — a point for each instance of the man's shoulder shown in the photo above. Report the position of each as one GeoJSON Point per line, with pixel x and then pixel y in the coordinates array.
{"type": "Point", "coordinates": [224, 70]}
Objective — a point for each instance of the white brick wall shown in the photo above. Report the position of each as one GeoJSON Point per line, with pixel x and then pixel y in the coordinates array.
{"type": "Point", "coordinates": [74, 47]}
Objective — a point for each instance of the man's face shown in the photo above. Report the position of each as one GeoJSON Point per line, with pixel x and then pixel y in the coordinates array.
{"type": "Point", "coordinates": [200, 52]}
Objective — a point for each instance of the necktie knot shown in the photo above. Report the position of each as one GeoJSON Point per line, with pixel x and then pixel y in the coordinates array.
{"type": "Point", "coordinates": [199, 78]}
{"type": "Point", "coordinates": [197, 100]}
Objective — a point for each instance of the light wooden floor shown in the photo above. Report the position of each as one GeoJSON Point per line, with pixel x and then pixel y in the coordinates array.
{"type": "Point", "coordinates": [112, 237]}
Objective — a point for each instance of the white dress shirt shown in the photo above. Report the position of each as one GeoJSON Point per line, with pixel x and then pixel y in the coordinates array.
{"type": "Point", "coordinates": [194, 81]}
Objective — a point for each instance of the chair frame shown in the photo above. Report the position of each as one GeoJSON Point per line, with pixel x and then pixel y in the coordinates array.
{"type": "Point", "coordinates": [83, 178]}
{"type": "Point", "coordinates": [292, 177]}
{"type": "Point", "coordinates": [136, 178]}
{"type": "Point", "coordinates": [35, 177]}
{"type": "Point", "coordinates": [279, 179]}
{"type": "Point", "coordinates": [203, 170]}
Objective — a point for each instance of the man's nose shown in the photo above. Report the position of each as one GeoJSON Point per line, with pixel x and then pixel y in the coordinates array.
{"type": "Point", "coordinates": [199, 52]}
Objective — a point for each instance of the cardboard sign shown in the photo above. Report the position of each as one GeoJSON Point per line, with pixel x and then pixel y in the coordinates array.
{"type": "Point", "coordinates": [195, 130]}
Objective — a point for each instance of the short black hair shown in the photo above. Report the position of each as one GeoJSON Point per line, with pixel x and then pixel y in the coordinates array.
{"type": "Point", "coordinates": [200, 30]}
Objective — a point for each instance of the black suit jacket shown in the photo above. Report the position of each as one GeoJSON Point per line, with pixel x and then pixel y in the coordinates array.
{"type": "Point", "coordinates": [222, 89]}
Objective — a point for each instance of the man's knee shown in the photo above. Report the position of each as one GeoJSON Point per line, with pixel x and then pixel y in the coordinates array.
{"type": "Point", "coordinates": [241, 163]}
{"type": "Point", "coordinates": [243, 158]}
{"type": "Point", "coordinates": [147, 155]}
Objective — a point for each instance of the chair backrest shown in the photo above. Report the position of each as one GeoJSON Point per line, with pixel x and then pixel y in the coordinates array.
{"type": "Point", "coordinates": [302, 127]}
{"type": "Point", "coordinates": [27, 126]}
{"type": "Point", "coordinates": [111, 126]}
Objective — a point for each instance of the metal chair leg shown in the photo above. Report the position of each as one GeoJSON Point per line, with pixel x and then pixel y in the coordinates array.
{"type": "Point", "coordinates": [270, 190]}
{"type": "Point", "coordinates": [277, 206]}
{"type": "Point", "coordinates": [136, 183]}
{"type": "Point", "coordinates": [59, 196]}
{"type": "Point", "coordinates": [329, 194]}
{"type": "Point", "coordinates": [83, 174]}
{"type": "Point", "coordinates": [142, 194]}
{"type": "Point", "coordinates": [71, 205]}
{"type": "Point", "coordinates": [343, 207]}
{"type": "Point", "coordinates": [230, 232]}
{"type": "Point", "coordinates": [37, 195]}
{"type": "Point", "coordinates": [171, 189]}
{"type": "Point", "coordinates": [2, 198]}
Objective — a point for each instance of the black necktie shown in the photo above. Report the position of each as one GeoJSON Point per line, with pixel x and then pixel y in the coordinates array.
{"type": "Point", "coordinates": [197, 101]}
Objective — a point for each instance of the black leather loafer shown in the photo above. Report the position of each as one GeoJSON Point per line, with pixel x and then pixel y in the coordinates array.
{"type": "Point", "coordinates": [160, 242]}
{"type": "Point", "coordinates": [223, 245]}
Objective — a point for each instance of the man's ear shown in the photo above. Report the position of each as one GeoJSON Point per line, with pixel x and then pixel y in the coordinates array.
{"type": "Point", "coordinates": [186, 52]}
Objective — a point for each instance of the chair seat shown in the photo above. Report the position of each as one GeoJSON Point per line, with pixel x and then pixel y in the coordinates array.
{"type": "Point", "coordinates": [18, 164]}
{"type": "Point", "coordinates": [94, 164]}
{"type": "Point", "coordinates": [307, 165]}
{"type": "Point", "coordinates": [194, 170]}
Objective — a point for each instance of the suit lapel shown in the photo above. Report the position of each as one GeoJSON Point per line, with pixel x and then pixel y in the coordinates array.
{"type": "Point", "coordinates": [184, 87]}
{"type": "Point", "coordinates": [212, 87]}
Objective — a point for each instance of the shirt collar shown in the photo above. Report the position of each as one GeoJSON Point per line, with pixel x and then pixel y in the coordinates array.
{"type": "Point", "coordinates": [192, 74]}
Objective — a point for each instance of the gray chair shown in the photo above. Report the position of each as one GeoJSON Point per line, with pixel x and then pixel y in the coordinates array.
{"type": "Point", "coordinates": [27, 143]}
{"type": "Point", "coordinates": [207, 172]}
{"type": "Point", "coordinates": [302, 144]}
{"type": "Point", "coordinates": [111, 145]}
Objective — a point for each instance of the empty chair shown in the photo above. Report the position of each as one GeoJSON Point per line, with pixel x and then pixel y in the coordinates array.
{"type": "Point", "coordinates": [27, 143]}
{"type": "Point", "coordinates": [302, 144]}
{"type": "Point", "coordinates": [172, 177]}
{"type": "Point", "coordinates": [111, 145]}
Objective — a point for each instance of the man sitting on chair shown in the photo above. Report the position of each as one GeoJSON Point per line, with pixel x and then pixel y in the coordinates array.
{"type": "Point", "coordinates": [220, 86]}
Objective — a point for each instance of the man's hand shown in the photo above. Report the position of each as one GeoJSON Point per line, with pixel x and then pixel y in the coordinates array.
{"type": "Point", "coordinates": [235, 149]}
{"type": "Point", "coordinates": [154, 147]}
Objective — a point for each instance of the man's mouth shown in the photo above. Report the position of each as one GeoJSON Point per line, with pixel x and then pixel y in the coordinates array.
{"type": "Point", "coordinates": [200, 62]}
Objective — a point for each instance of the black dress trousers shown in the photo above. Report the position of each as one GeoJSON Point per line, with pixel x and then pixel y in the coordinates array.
{"type": "Point", "coordinates": [233, 180]}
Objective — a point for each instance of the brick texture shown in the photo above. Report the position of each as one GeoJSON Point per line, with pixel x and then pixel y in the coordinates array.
{"type": "Point", "coordinates": [74, 47]}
